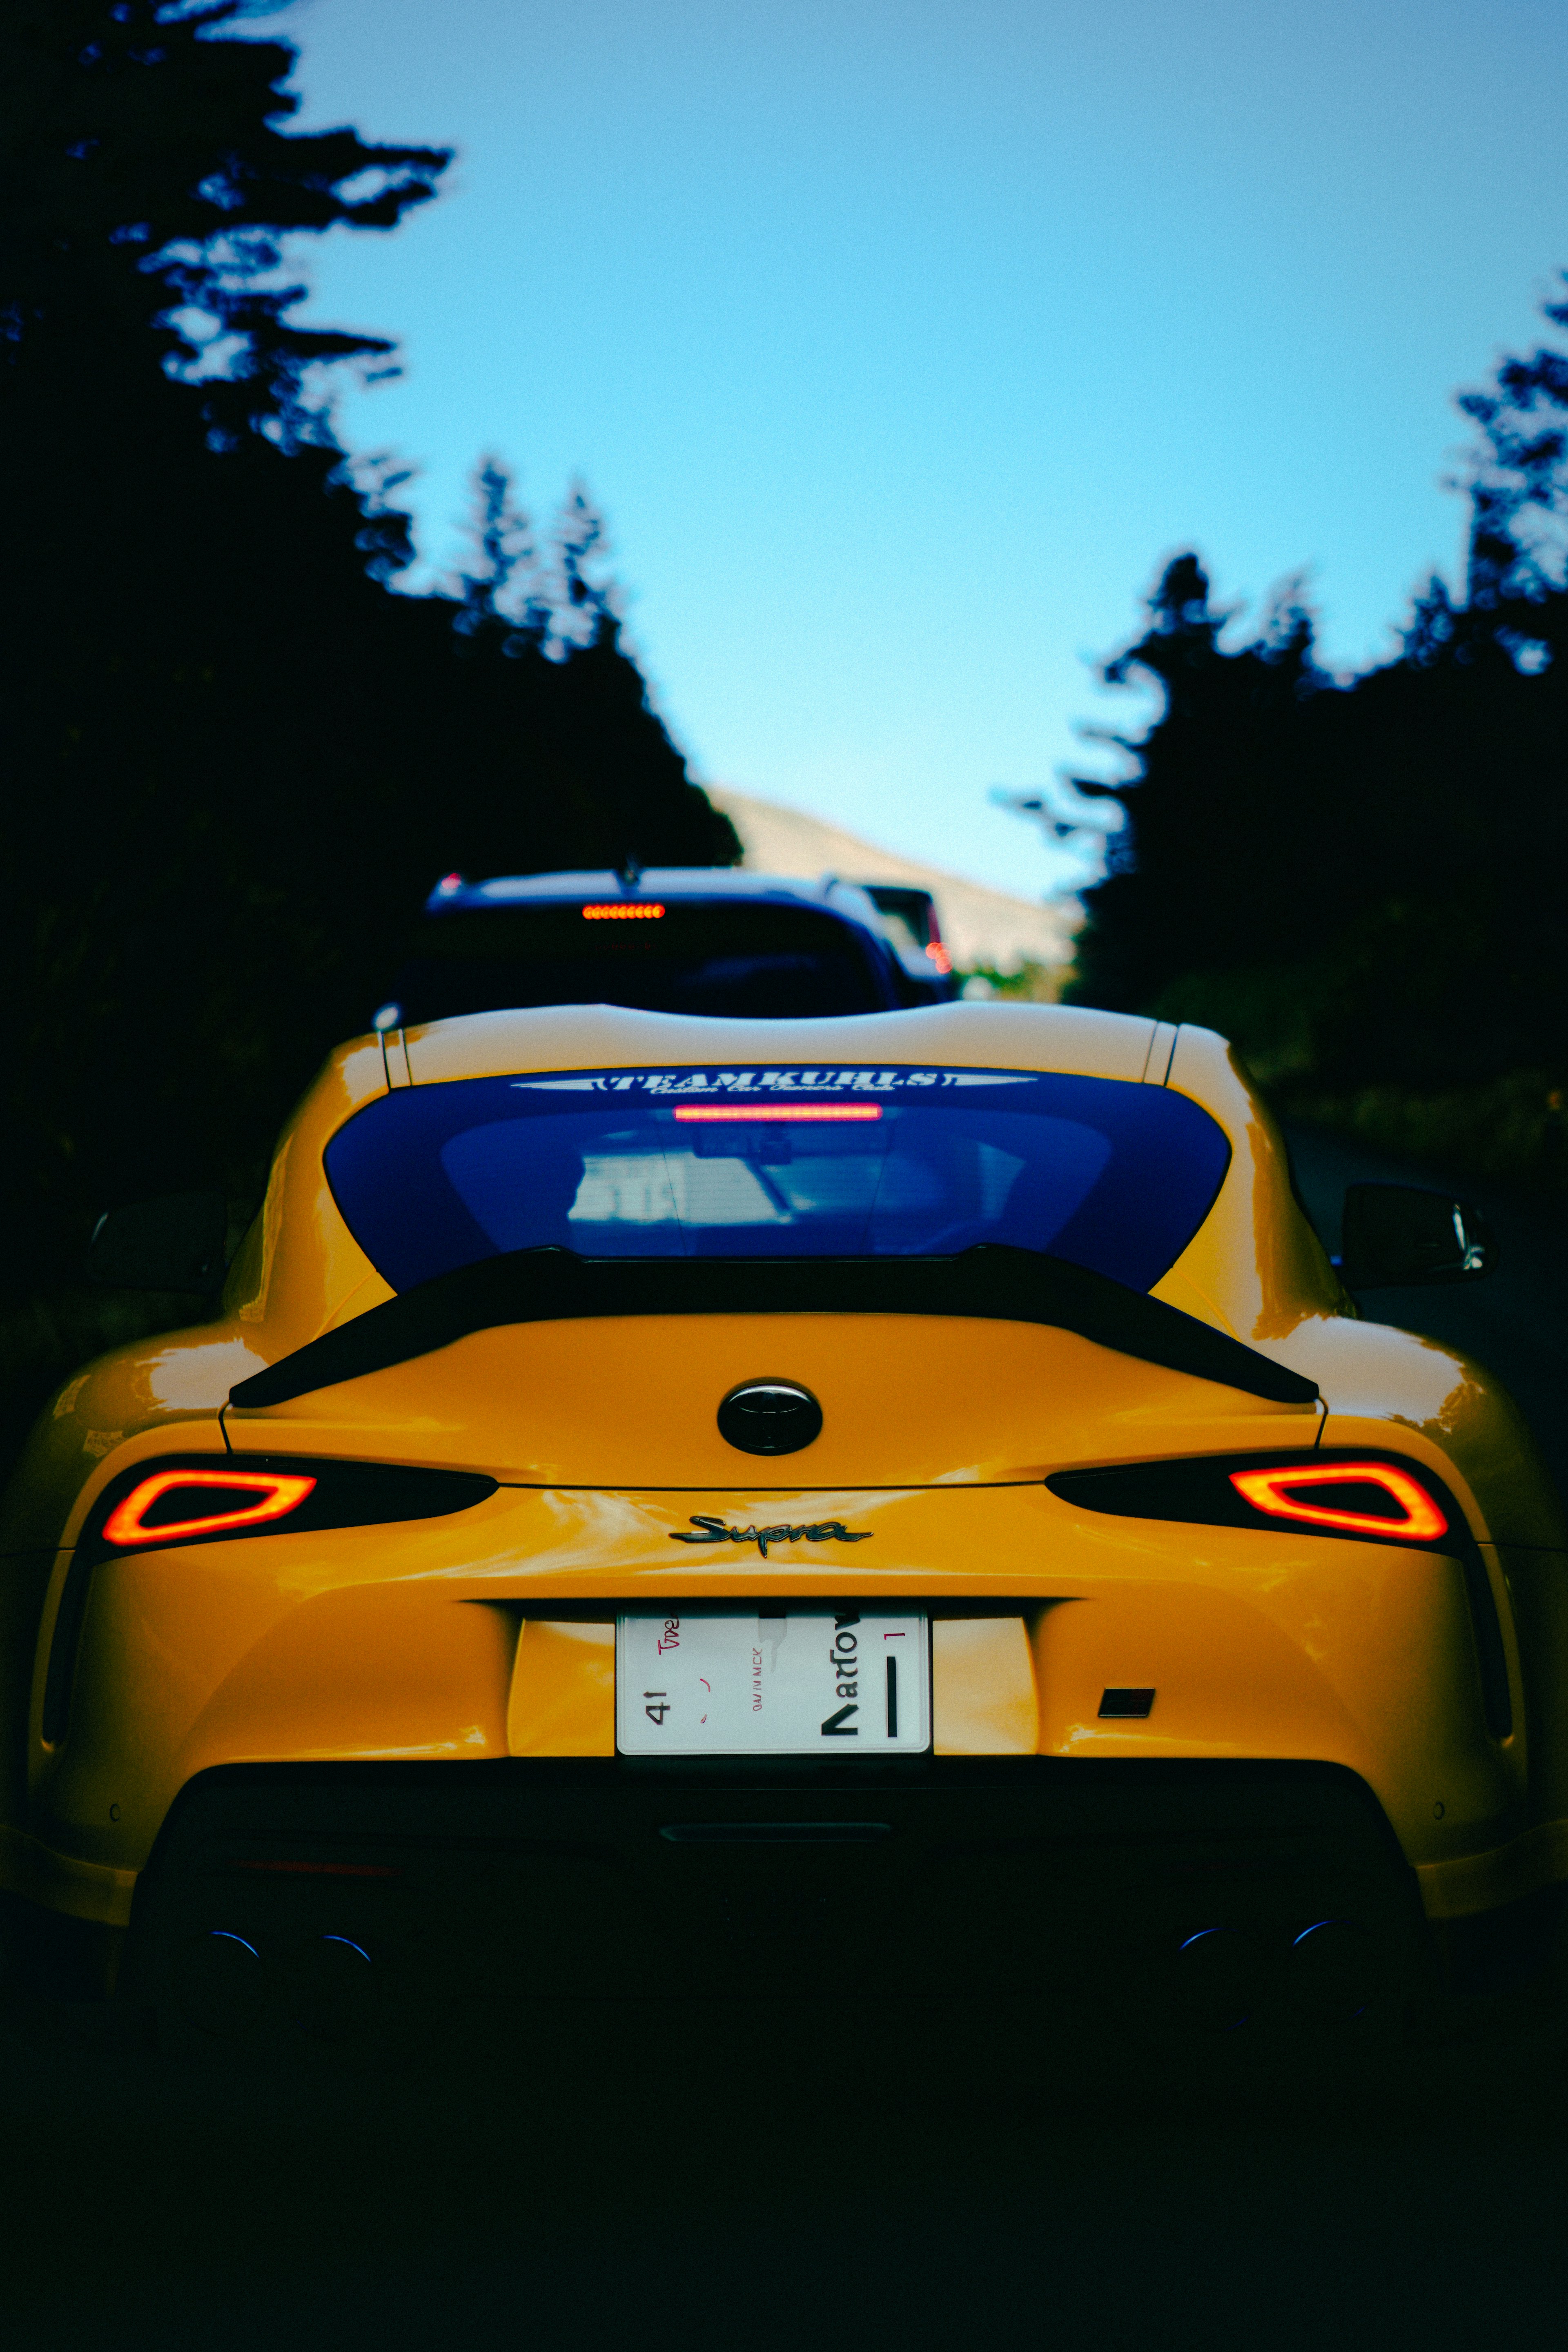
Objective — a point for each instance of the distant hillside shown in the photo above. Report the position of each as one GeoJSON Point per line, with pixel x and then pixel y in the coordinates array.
{"type": "Point", "coordinates": [982, 927]}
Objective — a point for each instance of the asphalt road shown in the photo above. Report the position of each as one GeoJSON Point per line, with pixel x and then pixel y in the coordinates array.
{"type": "Point", "coordinates": [820, 2178]}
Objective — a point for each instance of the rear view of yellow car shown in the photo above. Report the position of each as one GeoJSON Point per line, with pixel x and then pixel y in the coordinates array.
{"type": "Point", "coordinates": [681, 1507]}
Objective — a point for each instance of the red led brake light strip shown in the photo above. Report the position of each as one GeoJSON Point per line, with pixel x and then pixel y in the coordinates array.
{"type": "Point", "coordinates": [1271, 1491]}
{"type": "Point", "coordinates": [277, 1495]}
{"type": "Point", "coordinates": [621, 913]}
{"type": "Point", "coordinates": [750, 1117]}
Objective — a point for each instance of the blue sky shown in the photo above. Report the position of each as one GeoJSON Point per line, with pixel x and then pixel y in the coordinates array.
{"type": "Point", "coordinates": [901, 342]}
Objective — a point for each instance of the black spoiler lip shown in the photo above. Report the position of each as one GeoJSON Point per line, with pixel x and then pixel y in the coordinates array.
{"type": "Point", "coordinates": [994, 1281]}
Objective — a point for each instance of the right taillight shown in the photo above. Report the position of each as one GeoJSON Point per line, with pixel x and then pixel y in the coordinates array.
{"type": "Point", "coordinates": [1355, 1498]}
{"type": "Point", "coordinates": [1371, 1498]}
{"type": "Point", "coordinates": [1351, 1497]}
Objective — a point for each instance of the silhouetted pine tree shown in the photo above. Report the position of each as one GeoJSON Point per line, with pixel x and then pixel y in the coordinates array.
{"type": "Point", "coordinates": [1375, 866]}
{"type": "Point", "coordinates": [234, 761]}
{"type": "Point", "coordinates": [1218, 849]}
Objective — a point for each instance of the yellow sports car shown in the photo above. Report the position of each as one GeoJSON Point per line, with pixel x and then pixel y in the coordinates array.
{"type": "Point", "coordinates": [671, 1505]}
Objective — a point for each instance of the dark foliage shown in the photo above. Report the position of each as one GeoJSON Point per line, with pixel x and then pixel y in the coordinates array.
{"type": "Point", "coordinates": [234, 760]}
{"type": "Point", "coordinates": [1364, 880]}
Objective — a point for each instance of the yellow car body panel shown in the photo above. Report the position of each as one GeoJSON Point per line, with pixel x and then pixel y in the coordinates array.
{"type": "Point", "coordinates": [314, 1651]}
{"type": "Point", "coordinates": [488, 1634]}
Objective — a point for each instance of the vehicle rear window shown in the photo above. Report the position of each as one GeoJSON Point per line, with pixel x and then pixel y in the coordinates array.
{"type": "Point", "coordinates": [739, 956]}
{"type": "Point", "coordinates": [777, 1162]}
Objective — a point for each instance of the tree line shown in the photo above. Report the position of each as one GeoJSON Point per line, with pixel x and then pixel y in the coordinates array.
{"type": "Point", "coordinates": [1360, 880]}
{"type": "Point", "coordinates": [235, 758]}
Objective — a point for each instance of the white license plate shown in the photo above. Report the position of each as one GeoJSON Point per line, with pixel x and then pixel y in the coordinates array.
{"type": "Point", "coordinates": [811, 1682]}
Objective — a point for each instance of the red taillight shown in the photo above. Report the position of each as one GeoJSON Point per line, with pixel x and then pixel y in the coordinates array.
{"type": "Point", "coordinates": [621, 912]}
{"type": "Point", "coordinates": [1278, 1493]}
{"type": "Point", "coordinates": [750, 1117]}
{"type": "Point", "coordinates": [276, 1496]}
{"type": "Point", "coordinates": [939, 955]}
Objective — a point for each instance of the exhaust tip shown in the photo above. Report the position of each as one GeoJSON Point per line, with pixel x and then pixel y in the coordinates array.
{"type": "Point", "coordinates": [334, 1989]}
{"type": "Point", "coordinates": [1331, 1971]}
{"type": "Point", "coordinates": [1217, 1972]}
{"type": "Point", "coordinates": [220, 1984]}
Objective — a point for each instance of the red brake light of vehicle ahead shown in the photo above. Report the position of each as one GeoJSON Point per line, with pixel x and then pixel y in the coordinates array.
{"type": "Point", "coordinates": [1276, 1492]}
{"type": "Point", "coordinates": [939, 955]}
{"type": "Point", "coordinates": [621, 912]}
{"type": "Point", "coordinates": [726, 1111]}
{"type": "Point", "coordinates": [276, 1496]}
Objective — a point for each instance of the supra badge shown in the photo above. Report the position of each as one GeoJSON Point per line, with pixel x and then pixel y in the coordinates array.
{"type": "Point", "coordinates": [712, 1530]}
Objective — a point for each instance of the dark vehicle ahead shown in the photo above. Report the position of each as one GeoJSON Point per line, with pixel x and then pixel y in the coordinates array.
{"type": "Point", "coordinates": [673, 939]}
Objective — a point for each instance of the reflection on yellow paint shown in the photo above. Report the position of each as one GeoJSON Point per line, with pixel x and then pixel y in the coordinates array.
{"type": "Point", "coordinates": [563, 1700]}
{"type": "Point", "coordinates": [187, 1378]}
{"type": "Point", "coordinates": [982, 1688]}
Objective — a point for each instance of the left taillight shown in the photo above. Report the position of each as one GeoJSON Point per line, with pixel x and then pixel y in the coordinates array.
{"type": "Point", "coordinates": [194, 1499]}
{"type": "Point", "coordinates": [202, 1498]}
{"type": "Point", "coordinates": [173, 1503]}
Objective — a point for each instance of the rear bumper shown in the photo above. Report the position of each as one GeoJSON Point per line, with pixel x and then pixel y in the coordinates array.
{"type": "Point", "coordinates": [551, 1879]}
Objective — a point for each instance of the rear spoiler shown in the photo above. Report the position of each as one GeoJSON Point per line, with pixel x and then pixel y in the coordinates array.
{"type": "Point", "coordinates": [994, 1281]}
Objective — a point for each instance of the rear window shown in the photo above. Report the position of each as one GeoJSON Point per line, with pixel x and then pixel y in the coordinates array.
{"type": "Point", "coordinates": [777, 1162]}
{"type": "Point", "coordinates": [738, 956]}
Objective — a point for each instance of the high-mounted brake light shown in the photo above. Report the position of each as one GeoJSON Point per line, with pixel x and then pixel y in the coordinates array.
{"type": "Point", "coordinates": [622, 913]}
{"type": "Point", "coordinates": [1278, 1493]}
{"type": "Point", "coordinates": [276, 1496]}
{"type": "Point", "coordinates": [727, 1112]}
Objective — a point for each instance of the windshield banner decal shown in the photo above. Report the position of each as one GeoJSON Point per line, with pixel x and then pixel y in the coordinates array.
{"type": "Point", "coordinates": [802, 1079]}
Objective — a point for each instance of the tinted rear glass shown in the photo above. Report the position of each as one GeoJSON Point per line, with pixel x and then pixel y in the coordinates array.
{"type": "Point", "coordinates": [777, 1162]}
{"type": "Point", "coordinates": [738, 956]}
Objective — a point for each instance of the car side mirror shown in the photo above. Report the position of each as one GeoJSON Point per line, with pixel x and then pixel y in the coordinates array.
{"type": "Point", "coordinates": [174, 1243]}
{"type": "Point", "coordinates": [1397, 1234]}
